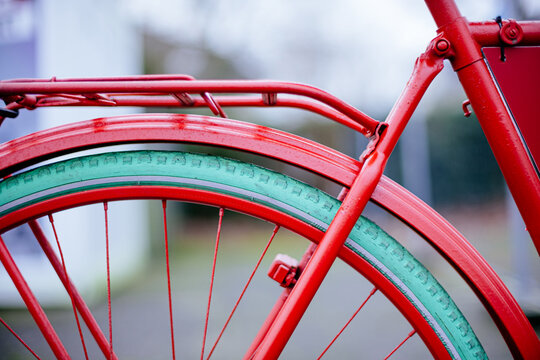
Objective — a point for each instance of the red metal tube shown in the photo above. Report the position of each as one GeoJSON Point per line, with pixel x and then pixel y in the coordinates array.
{"type": "Point", "coordinates": [81, 306]}
{"type": "Point", "coordinates": [148, 100]}
{"type": "Point", "coordinates": [31, 303]}
{"type": "Point", "coordinates": [267, 324]}
{"type": "Point", "coordinates": [9, 88]}
{"type": "Point", "coordinates": [509, 151]}
{"type": "Point", "coordinates": [322, 259]}
{"type": "Point", "coordinates": [427, 67]}
{"type": "Point", "coordinates": [278, 305]}
{"type": "Point", "coordinates": [102, 79]}
{"type": "Point", "coordinates": [443, 11]}
{"type": "Point", "coordinates": [493, 116]}
{"type": "Point", "coordinates": [487, 33]}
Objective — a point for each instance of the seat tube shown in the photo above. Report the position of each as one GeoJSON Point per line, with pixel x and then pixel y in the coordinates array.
{"type": "Point", "coordinates": [443, 11]}
{"type": "Point", "coordinates": [491, 111]}
{"type": "Point", "coordinates": [505, 143]}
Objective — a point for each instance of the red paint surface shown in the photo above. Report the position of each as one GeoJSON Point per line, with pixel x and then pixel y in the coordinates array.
{"type": "Point", "coordinates": [518, 78]}
{"type": "Point", "coordinates": [513, 324]}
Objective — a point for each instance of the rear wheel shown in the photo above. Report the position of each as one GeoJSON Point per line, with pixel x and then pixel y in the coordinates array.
{"type": "Point", "coordinates": [248, 189]}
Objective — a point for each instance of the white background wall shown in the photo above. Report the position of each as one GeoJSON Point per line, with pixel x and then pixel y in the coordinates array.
{"type": "Point", "coordinates": [63, 38]}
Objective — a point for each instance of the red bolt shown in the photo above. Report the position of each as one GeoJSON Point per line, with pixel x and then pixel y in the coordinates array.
{"type": "Point", "coordinates": [442, 46]}
{"type": "Point", "coordinates": [512, 33]}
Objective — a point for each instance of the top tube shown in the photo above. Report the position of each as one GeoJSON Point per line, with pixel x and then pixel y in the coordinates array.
{"type": "Point", "coordinates": [488, 33]}
{"type": "Point", "coordinates": [485, 33]}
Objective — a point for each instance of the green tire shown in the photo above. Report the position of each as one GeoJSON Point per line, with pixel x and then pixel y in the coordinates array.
{"type": "Point", "coordinates": [260, 185]}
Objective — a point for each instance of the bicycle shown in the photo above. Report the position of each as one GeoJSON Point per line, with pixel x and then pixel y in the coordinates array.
{"type": "Point", "coordinates": [334, 226]}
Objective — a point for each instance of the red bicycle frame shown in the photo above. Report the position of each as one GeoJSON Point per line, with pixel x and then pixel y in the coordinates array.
{"type": "Point", "coordinates": [492, 113]}
{"type": "Point", "coordinates": [457, 40]}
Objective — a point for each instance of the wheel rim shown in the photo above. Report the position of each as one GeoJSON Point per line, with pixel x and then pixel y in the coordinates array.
{"type": "Point", "coordinates": [120, 188]}
{"type": "Point", "coordinates": [235, 204]}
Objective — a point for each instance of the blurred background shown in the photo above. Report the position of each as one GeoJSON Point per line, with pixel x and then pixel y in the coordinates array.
{"type": "Point", "coordinates": [360, 51]}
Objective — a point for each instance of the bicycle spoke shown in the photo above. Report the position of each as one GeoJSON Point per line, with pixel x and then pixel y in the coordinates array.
{"type": "Point", "coordinates": [373, 291]}
{"type": "Point", "coordinates": [18, 338]}
{"type": "Point", "coordinates": [276, 228]}
{"type": "Point", "coordinates": [278, 305]}
{"type": "Point", "coordinates": [401, 343]}
{"type": "Point", "coordinates": [106, 210]}
{"type": "Point", "coordinates": [226, 185]}
{"type": "Point", "coordinates": [220, 221]}
{"type": "Point", "coordinates": [164, 205]}
{"type": "Point", "coordinates": [31, 303]}
{"type": "Point", "coordinates": [51, 221]}
{"type": "Point", "coordinates": [83, 309]}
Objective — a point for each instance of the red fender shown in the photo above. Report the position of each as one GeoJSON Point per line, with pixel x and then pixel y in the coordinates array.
{"type": "Point", "coordinates": [465, 259]}
{"type": "Point", "coordinates": [304, 153]}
